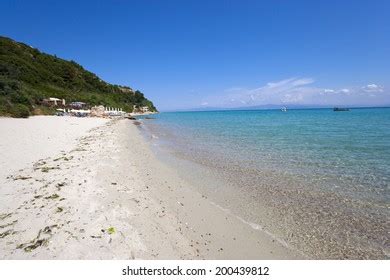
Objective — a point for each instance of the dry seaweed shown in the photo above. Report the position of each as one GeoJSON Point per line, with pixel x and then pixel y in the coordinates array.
{"type": "Point", "coordinates": [78, 150]}
{"type": "Point", "coordinates": [60, 185]}
{"type": "Point", "coordinates": [4, 216]}
{"type": "Point", "coordinates": [53, 196]}
{"type": "Point", "coordinates": [38, 241]}
{"type": "Point", "coordinates": [9, 224]}
{"type": "Point", "coordinates": [63, 158]}
{"type": "Point", "coordinates": [6, 233]}
{"type": "Point", "coordinates": [21, 177]}
{"type": "Point", "coordinates": [48, 168]}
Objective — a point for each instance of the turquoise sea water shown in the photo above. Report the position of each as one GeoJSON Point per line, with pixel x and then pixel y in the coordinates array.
{"type": "Point", "coordinates": [317, 179]}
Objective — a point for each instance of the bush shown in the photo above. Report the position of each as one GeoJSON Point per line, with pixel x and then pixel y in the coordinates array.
{"type": "Point", "coordinates": [20, 111]}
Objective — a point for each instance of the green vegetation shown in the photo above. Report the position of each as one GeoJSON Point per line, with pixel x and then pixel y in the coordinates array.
{"type": "Point", "coordinates": [19, 111]}
{"type": "Point", "coordinates": [27, 76]}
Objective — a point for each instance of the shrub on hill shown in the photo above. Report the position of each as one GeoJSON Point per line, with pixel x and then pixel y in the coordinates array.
{"type": "Point", "coordinates": [27, 76]}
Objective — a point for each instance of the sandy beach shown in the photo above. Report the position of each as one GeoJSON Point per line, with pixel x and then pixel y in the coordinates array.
{"type": "Point", "coordinates": [89, 188]}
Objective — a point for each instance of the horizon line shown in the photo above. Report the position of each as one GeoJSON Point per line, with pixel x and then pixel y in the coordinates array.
{"type": "Point", "coordinates": [264, 109]}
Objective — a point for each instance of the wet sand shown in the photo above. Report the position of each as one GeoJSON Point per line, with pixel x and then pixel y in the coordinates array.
{"type": "Point", "coordinates": [107, 196]}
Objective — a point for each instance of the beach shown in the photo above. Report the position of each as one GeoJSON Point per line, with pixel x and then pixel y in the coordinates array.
{"type": "Point", "coordinates": [89, 188]}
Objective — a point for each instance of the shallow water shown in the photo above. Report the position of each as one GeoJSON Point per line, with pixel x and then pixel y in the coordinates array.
{"type": "Point", "coordinates": [317, 179]}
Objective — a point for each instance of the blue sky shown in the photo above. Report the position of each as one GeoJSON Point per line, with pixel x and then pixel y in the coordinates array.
{"type": "Point", "coordinates": [190, 54]}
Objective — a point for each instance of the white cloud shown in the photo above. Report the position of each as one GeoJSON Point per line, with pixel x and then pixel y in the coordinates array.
{"type": "Point", "coordinates": [283, 85]}
{"type": "Point", "coordinates": [302, 82]}
{"type": "Point", "coordinates": [204, 103]}
{"type": "Point", "coordinates": [327, 90]}
{"type": "Point", "coordinates": [285, 91]}
{"type": "Point", "coordinates": [300, 91]}
{"type": "Point", "coordinates": [373, 88]}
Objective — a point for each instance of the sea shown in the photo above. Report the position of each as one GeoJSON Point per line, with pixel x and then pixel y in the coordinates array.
{"type": "Point", "coordinates": [316, 180]}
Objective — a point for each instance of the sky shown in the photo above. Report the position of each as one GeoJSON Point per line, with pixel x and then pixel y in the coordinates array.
{"type": "Point", "coordinates": [202, 54]}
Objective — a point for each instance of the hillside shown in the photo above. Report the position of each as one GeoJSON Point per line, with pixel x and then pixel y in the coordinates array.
{"type": "Point", "coordinates": [27, 76]}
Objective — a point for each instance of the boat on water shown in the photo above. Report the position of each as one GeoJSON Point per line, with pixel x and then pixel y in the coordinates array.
{"type": "Point", "coordinates": [283, 109]}
{"type": "Point", "coordinates": [338, 109]}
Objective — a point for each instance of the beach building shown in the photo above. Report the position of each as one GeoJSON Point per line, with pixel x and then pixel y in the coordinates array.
{"type": "Point", "coordinates": [143, 109]}
{"type": "Point", "coordinates": [77, 105]}
{"type": "Point", "coordinates": [52, 101]}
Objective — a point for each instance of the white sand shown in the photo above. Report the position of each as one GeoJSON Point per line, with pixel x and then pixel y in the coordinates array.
{"type": "Point", "coordinates": [25, 141]}
{"type": "Point", "coordinates": [64, 206]}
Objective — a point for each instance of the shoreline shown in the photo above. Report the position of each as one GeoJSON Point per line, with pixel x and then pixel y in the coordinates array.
{"type": "Point", "coordinates": [107, 196]}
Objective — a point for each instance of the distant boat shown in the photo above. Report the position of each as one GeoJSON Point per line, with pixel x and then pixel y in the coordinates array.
{"type": "Point", "coordinates": [338, 109]}
{"type": "Point", "coordinates": [283, 109]}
